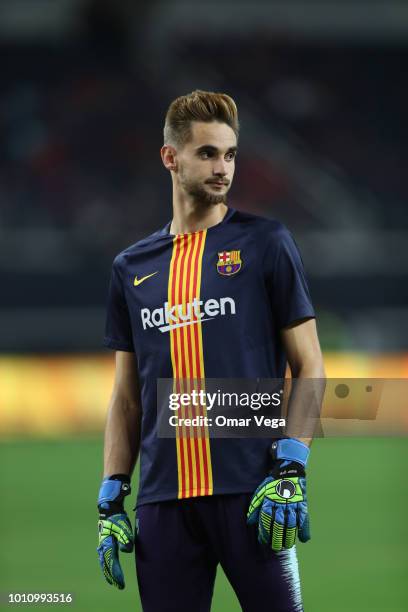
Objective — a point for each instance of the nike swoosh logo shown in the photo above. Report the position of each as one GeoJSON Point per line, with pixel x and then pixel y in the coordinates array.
{"type": "Point", "coordinates": [138, 281]}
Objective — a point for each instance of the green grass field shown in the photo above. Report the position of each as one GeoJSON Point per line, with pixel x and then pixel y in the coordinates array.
{"type": "Point", "coordinates": [357, 559]}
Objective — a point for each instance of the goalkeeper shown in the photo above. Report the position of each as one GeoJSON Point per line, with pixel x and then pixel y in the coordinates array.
{"type": "Point", "coordinates": [215, 293]}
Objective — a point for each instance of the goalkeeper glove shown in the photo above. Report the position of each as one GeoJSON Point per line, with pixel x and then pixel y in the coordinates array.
{"type": "Point", "coordinates": [279, 504]}
{"type": "Point", "coordinates": [114, 527]}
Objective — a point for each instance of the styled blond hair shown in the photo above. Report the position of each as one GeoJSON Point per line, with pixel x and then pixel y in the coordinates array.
{"type": "Point", "coordinates": [198, 106]}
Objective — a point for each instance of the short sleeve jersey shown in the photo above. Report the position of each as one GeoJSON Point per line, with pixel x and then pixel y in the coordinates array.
{"type": "Point", "coordinates": [205, 304]}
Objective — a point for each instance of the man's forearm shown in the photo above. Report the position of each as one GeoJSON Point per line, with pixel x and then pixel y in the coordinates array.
{"type": "Point", "coordinates": [122, 436]}
{"type": "Point", "coordinates": [305, 401]}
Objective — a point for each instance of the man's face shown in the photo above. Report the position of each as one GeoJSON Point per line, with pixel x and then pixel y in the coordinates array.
{"type": "Point", "coordinates": [206, 163]}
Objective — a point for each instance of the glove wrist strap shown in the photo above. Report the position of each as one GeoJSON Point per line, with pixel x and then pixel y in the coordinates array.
{"type": "Point", "coordinates": [112, 492]}
{"type": "Point", "coordinates": [290, 449]}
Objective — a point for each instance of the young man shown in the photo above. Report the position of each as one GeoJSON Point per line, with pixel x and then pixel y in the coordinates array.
{"type": "Point", "coordinates": [216, 293]}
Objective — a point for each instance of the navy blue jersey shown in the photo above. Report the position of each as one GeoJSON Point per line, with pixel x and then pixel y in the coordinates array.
{"type": "Point", "coordinates": [205, 304]}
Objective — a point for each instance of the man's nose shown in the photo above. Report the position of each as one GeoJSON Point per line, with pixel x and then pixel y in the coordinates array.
{"type": "Point", "coordinates": [220, 168]}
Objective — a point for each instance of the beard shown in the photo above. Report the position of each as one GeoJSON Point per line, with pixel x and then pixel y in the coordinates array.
{"type": "Point", "coordinates": [197, 190]}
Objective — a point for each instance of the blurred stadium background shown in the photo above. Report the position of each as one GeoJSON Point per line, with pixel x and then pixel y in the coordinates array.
{"type": "Point", "coordinates": [322, 93]}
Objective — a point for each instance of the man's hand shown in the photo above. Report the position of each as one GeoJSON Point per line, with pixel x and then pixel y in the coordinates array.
{"type": "Point", "coordinates": [115, 530]}
{"type": "Point", "coordinates": [279, 504]}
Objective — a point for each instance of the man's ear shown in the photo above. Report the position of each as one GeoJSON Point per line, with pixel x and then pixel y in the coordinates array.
{"type": "Point", "coordinates": [169, 157]}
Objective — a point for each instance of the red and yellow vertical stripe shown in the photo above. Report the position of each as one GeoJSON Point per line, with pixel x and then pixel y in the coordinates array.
{"type": "Point", "coordinates": [186, 347]}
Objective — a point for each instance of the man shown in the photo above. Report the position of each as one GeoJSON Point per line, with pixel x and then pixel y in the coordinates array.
{"type": "Point", "coordinates": [216, 293]}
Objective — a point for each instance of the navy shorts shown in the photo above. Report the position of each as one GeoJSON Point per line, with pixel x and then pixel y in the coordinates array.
{"type": "Point", "coordinates": [179, 544]}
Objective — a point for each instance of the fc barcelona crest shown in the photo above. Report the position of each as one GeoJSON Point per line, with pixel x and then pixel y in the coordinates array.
{"type": "Point", "coordinates": [229, 262]}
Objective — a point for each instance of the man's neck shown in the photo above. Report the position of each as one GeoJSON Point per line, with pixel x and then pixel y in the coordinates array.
{"type": "Point", "coordinates": [190, 217]}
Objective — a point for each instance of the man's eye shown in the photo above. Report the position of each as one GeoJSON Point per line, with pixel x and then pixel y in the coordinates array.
{"type": "Point", "coordinates": [205, 154]}
{"type": "Point", "coordinates": [230, 156]}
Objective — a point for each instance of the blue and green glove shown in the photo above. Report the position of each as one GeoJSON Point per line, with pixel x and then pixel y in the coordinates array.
{"type": "Point", "coordinates": [279, 505]}
{"type": "Point", "coordinates": [115, 530]}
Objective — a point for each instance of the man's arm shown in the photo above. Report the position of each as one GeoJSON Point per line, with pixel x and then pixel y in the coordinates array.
{"type": "Point", "coordinates": [303, 349]}
{"type": "Point", "coordinates": [123, 423]}
{"type": "Point", "coordinates": [305, 359]}
{"type": "Point", "coordinates": [122, 442]}
{"type": "Point", "coordinates": [279, 505]}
